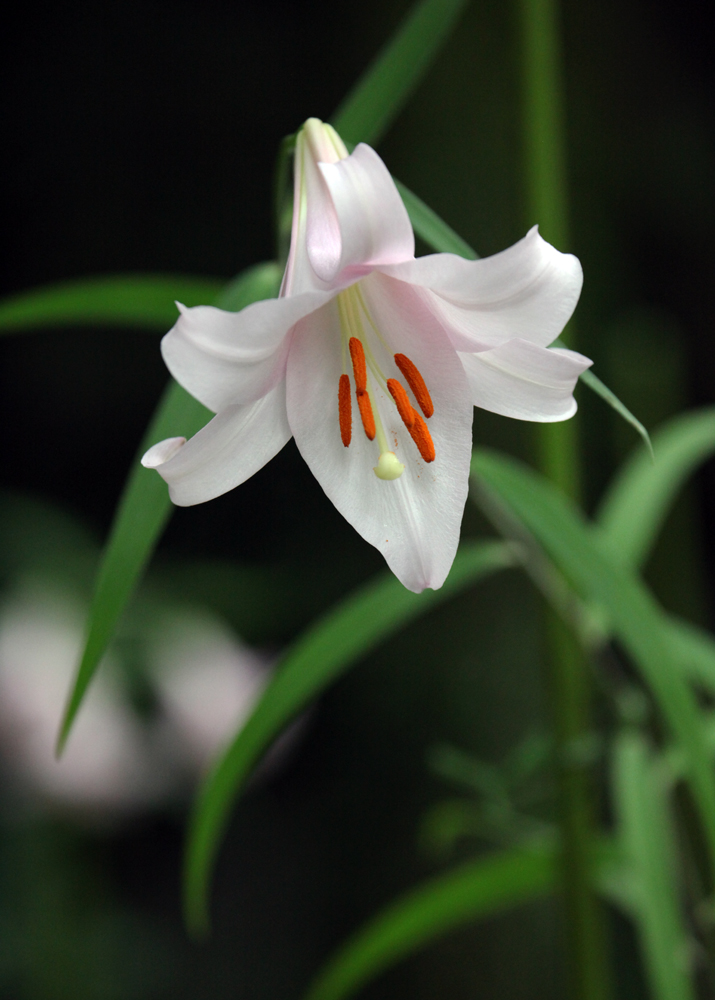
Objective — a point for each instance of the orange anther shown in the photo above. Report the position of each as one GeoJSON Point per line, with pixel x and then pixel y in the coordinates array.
{"type": "Point", "coordinates": [345, 410]}
{"type": "Point", "coordinates": [416, 383]}
{"type": "Point", "coordinates": [366, 415]}
{"type": "Point", "coordinates": [404, 406]}
{"type": "Point", "coordinates": [359, 367]}
{"type": "Point", "coordinates": [422, 438]}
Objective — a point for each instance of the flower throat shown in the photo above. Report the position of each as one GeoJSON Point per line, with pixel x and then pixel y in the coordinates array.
{"type": "Point", "coordinates": [352, 308]}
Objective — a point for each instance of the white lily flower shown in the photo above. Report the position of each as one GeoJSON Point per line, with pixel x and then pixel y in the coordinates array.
{"type": "Point", "coordinates": [415, 342]}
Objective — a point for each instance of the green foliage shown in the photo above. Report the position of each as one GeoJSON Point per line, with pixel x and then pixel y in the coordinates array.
{"type": "Point", "coordinates": [145, 508]}
{"type": "Point", "coordinates": [141, 516]}
{"type": "Point", "coordinates": [648, 843]}
{"type": "Point", "coordinates": [141, 300]}
{"type": "Point", "coordinates": [479, 889]}
{"type": "Point", "coordinates": [519, 499]}
{"type": "Point", "coordinates": [596, 385]}
{"type": "Point", "coordinates": [380, 94]}
{"type": "Point", "coordinates": [636, 504]}
{"type": "Point", "coordinates": [433, 230]}
{"type": "Point", "coordinates": [327, 649]}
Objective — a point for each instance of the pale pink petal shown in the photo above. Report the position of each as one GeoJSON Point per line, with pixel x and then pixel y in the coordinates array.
{"type": "Point", "coordinates": [161, 452]}
{"type": "Point", "coordinates": [225, 358]}
{"type": "Point", "coordinates": [227, 451]}
{"type": "Point", "coordinates": [528, 291]}
{"type": "Point", "coordinates": [520, 379]}
{"type": "Point", "coordinates": [414, 520]}
{"type": "Point", "coordinates": [366, 223]}
{"type": "Point", "coordinates": [312, 208]}
{"type": "Point", "coordinates": [323, 240]}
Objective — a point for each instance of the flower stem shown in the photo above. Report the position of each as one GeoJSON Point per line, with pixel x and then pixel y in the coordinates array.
{"type": "Point", "coordinates": [557, 448]}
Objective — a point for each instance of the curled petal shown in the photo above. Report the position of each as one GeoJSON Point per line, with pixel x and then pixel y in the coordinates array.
{"type": "Point", "coordinates": [224, 453]}
{"type": "Point", "coordinates": [225, 358]}
{"type": "Point", "coordinates": [365, 222]}
{"type": "Point", "coordinates": [162, 452]}
{"type": "Point", "coordinates": [520, 379]}
{"type": "Point", "coordinates": [413, 520]}
{"type": "Point", "coordinates": [528, 291]}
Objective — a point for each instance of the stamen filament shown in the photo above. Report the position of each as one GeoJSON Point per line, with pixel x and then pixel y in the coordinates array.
{"type": "Point", "coordinates": [352, 298]}
{"type": "Point", "coordinates": [416, 383]}
{"type": "Point", "coordinates": [363, 305]}
{"type": "Point", "coordinates": [345, 410]}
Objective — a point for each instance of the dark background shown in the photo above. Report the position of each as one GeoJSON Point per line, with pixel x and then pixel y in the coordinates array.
{"type": "Point", "coordinates": [141, 137]}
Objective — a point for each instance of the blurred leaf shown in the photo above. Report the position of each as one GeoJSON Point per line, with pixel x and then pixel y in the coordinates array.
{"type": "Point", "coordinates": [143, 300]}
{"type": "Point", "coordinates": [384, 88]}
{"type": "Point", "coordinates": [41, 539]}
{"type": "Point", "coordinates": [637, 502]}
{"type": "Point", "coordinates": [433, 230]}
{"type": "Point", "coordinates": [144, 507]}
{"type": "Point", "coordinates": [512, 491]}
{"type": "Point", "coordinates": [261, 281]}
{"type": "Point", "coordinates": [479, 889]}
{"type": "Point", "coordinates": [695, 648]}
{"type": "Point", "coordinates": [324, 651]}
{"type": "Point", "coordinates": [454, 765]}
{"type": "Point", "coordinates": [594, 383]}
{"type": "Point", "coordinates": [647, 837]}
{"type": "Point", "coordinates": [452, 820]}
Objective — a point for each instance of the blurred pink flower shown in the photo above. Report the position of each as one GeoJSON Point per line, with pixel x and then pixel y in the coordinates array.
{"type": "Point", "coordinates": [115, 762]}
{"type": "Point", "coordinates": [105, 766]}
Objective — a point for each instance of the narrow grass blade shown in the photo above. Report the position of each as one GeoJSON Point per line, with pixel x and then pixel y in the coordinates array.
{"type": "Point", "coordinates": [594, 383]}
{"type": "Point", "coordinates": [637, 502]}
{"type": "Point", "coordinates": [510, 490]}
{"type": "Point", "coordinates": [331, 645]}
{"type": "Point", "coordinates": [142, 300]}
{"type": "Point", "coordinates": [144, 507]}
{"type": "Point", "coordinates": [380, 94]}
{"type": "Point", "coordinates": [695, 648]}
{"type": "Point", "coordinates": [430, 228]}
{"type": "Point", "coordinates": [476, 890]}
{"type": "Point", "coordinates": [648, 842]}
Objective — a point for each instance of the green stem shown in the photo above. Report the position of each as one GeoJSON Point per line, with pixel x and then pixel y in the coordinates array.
{"type": "Point", "coordinates": [557, 449]}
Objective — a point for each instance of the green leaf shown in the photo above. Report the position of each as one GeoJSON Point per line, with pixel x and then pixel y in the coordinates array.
{"type": "Point", "coordinates": [433, 230]}
{"type": "Point", "coordinates": [459, 897]}
{"type": "Point", "coordinates": [646, 833]}
{"type": "Point", "coordinates": [594, 383]}
{"type": "Point", "coordinates": [635, 507]}
{"type": "Point", "coordinates": [510, 490]}
{"type": "Point", "coordinates": [695, 649]}
{"type": "Point", "coordinates": [331, 645]}
{"type": "Point", "coordinates": [261, 281]}
{"type": "Point", "coordinates": [382, 91]}
{"type": "Point", "coordinates": [476, 890]}
{"type": "Point", "coordinates": [144, 507]}
{"type": "Point", "coordinates": [143, 300]}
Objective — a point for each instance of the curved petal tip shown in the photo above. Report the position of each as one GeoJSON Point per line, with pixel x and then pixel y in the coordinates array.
{"type": "Point", "coordinates": [161, 452]}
